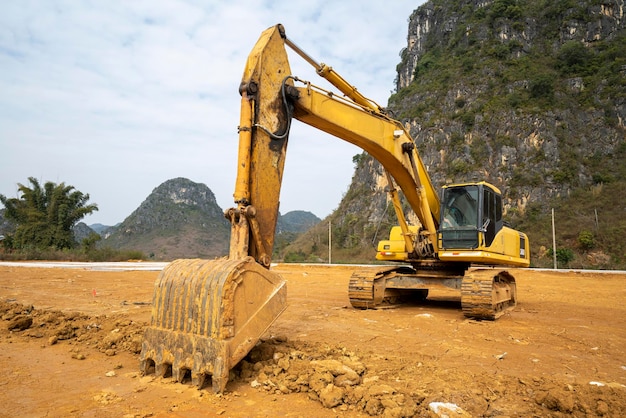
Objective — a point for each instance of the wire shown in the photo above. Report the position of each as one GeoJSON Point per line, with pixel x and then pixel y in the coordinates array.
{"type": "Point", "coordinates": [287, 110]}
{"type": "Point", "coordinates": [378, 226]}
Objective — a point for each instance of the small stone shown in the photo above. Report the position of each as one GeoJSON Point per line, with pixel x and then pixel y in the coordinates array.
{"type": "Point", "coordinates": [331, 396]}
{"type": "Point", "coordinates": [348, 379]}
{"type": "Point", "coordinates": [110, 374]}
{"type": "Point", "coordinates": [446, 409]}
{"type": "Point", "coordinates": [20, 323]}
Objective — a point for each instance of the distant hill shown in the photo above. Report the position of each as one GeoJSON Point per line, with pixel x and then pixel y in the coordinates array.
{"type": "Point", "coordinates": [296, 221]}
{"type": "Point", "coordinates": [179, 219]}
{"type": "Point", "coordinates": [82, 231]}
{"type": "Point", "coordinates": [99, 228]}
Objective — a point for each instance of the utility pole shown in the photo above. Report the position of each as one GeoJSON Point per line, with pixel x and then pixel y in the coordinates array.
{"type": "Point", "coordinates": [330, 242]}
{"type": "Point", "coordinates": [553, 241]}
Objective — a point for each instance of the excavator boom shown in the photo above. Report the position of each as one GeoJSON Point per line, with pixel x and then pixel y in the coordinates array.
{"type": "Point", "coordinates": [270, 100]}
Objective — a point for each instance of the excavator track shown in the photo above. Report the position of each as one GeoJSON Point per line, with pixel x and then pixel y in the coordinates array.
{"type": "Point", "coordinates": [487, 296]}
{"type": "Point", "coordinates": [370, 288]}
{"type": "Point", "coordinates": [366, 289]}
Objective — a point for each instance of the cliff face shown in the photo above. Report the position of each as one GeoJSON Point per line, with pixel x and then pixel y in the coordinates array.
{"type": "Point", "coordinates": [527, 95]}
{"type": "Point", "coordinates": [438, 23]}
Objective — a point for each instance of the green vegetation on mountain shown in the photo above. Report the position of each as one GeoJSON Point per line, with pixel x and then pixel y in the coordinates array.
{"type": "Point", "coordinates": [530, 96]}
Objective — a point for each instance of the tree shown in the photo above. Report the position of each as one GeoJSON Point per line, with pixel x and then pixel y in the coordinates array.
{"type": "Point", "coordinates": [44, 217]}
{"type": "Point", "coordinates": [89, 243]}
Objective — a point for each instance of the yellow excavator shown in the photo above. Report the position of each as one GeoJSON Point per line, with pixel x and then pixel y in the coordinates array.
{"type": "Point", "coordinates": [208, 314]}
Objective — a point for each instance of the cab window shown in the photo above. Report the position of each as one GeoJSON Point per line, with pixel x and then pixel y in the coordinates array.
{"type": "Point", "coordinates": [460, 207]}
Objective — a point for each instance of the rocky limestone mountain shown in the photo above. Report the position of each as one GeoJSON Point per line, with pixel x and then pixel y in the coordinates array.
{"type": "Point", "coordinates": [530, 96]}
{"type": "Point", "coordinates": [296, 221]}
{"type": "Point", "coordinates": [179, 219]}
{"type": "Point", "coordinates": [527, 95]}
{"type": "Point", "coordinates": [81, 231]}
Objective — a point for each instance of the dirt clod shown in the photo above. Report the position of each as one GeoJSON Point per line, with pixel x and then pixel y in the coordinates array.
{"type": "Point", "coordinates": [20, 323]}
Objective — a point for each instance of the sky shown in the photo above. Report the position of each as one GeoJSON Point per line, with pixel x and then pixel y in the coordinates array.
{"type": "Point", "coordinates": [116, 97]}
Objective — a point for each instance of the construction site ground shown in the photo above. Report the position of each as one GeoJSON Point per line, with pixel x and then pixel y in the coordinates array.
{"type": "Point", "coordinates": [70, 340]}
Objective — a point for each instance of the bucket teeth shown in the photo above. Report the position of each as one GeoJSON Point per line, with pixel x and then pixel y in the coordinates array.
{"type": "Point", "coordinates": [162, 370]}
{"type": "Point", "coordinates": [178, 372]}
{"type": "Point", "coordinates": [198, 379]}
{"type": "Point", "coordinates": [207, 316]}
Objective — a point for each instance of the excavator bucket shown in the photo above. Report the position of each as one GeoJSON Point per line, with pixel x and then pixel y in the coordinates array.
{"type": "Point", "coordinates": [207, 316]}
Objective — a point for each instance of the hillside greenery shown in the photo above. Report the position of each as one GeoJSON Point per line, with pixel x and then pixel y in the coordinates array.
{"type": "Point", "coordinates": [532, 78]}
{"type": "Point", "coordinates": [590, 224]}
{"type": "Point", "coordinates": [83, 253]}
{"type": "Point", "coordinates": [475, 89]}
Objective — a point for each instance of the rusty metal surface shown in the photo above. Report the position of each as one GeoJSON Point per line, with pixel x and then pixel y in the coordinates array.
{"type": "Point", "coordinates": [207, 315]}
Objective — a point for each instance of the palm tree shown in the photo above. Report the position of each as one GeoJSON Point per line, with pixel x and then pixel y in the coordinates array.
{"type": "Point", "coordinates": [44, 217]}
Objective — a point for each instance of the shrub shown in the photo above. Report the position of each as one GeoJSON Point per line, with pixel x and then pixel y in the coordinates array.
{"type": "Point", "coordinates": [563, 255]}
{"type": "Point", "coordinates": [295, 257]}
{"type": "Point", "coordinates": [574, 58]}
{"type": "Point", "coordinates": [541, 87]}
{"type": "Point", "coordinates": [585, 240]}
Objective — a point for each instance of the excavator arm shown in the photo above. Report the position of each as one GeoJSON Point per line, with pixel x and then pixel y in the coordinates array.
{"type": "Point", "coordinates": [270, 99]}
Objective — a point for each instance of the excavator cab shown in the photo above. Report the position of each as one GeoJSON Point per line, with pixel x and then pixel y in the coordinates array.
{"type": "Point", "coordinates": [470, 210]}
{"type": "Point", "coordinates": [471, 228]}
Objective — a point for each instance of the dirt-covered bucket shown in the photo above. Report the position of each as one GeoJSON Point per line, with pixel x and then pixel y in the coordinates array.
{"type": "Point", "coordinates": [207, 316]}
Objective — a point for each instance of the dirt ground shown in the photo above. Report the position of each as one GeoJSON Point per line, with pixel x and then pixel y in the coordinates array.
{"type": "Point", "coordinates": [70, 342]}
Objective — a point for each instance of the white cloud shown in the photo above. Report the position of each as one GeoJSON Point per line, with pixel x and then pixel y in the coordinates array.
{"type": "Point", "coordinates": [116, 97]}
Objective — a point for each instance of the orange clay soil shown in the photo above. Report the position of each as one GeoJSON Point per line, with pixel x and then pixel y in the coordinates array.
{"type": "Point", "coordinates": [70, 342]}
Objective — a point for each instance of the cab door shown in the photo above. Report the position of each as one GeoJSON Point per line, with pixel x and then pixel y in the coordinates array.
{"type": "Point", "coordinates": [491, 214]}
